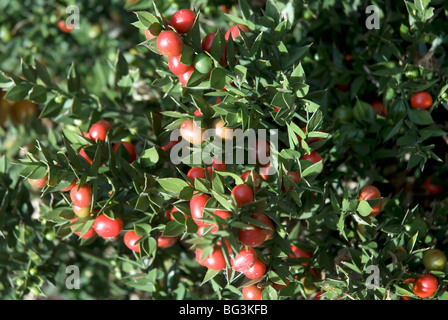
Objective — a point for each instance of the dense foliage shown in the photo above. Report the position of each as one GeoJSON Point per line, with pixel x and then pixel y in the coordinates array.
{"type": "Point", "coordinates": [355, 122]}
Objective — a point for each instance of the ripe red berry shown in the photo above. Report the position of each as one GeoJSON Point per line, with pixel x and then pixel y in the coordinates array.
{"type": "Point", "coordinates": [192, 132]}
{"type": "Point", "coordinates": [425, 285]}
{"type": "Point", "coordinates": [252, 292]}
{"type": "Point", "coordinates": [89, 233]}
{"type": "Point", "coordinates": [207, 42]}
{"type": "Point", "coordinates": [169, 43]}
{"type": "Point", "coordinates": [379, 107]}
{"type": "Point", "coordinates": [218, 165]}
{"type": "Point", "coordinates": [257, 270]}
{"type": "Point", "coordinates": [70, 186]}
{"type": "Point", "coordinates": [130, 238]}
{"type": "Point", "coordinates": [83, 154]}
{"type": "Point", "coordinates": [197, 204]}
{"type": "Point", "coordinates": [236, 30]}
{"type": "Point", "coordinates": [184, 77]}
{"type": "Point", "coordinates": [177, 67]}
{"type": "Point", "coordinates": [99, 130]}
{"type": "Point", "coordinates": [106, 227]}
{"type": "Point", "coordinates": [371, 192]}
{"type": "Point", "coordinates": [129, 150]}
{"type": "Point", "coordinates": [315, 157]}
{"type": "Point", "coordinates": [63, 27]}
{"type": "Point", "coordinates": [214, 261]}
{"type": "Point", "coordinates": [254, 236]}
{"type": "Point", "coordinates": [39, 183]}
{"type": "Point", "coordinates": [295, 177]}
{"type": "Point", "coordinates": [421, 100]}
{"type": "Point", "coordinates": [244, 260]}
{"type": "Point", "coordinates": [81, 196]}
{"type": "Point", "coordinates": [243, 194]}
{"type": "Point", "coordinates": [207, 46]}
{"type": "Point", "coordinates": [166, 242]}
{"type": "Point", "coordinates": [196, 172]}
{"type": "Point", "coordinates": [183, 20]}
{"type": "Point", "coordinates": [431, 188]}
{"type": "Point", "coordinates": [256, 178]}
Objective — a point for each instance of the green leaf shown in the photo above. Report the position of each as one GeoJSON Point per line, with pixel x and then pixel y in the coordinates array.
{"type": "Point", "coordinates": [272, 10]}
{"type": "Point", "coordinates": [364, 208]}
{"type": "Point", "coordinates": [218, 78]}
{"type": "Point", "coordinates": [269, 293]}
{"type": "Point", "coordinates": [173, 229]}
{"type": "Point", "coordinates": [420, 117]}
{"type": "Point", "coordinates": [245, 8]}
{"type": "Point", "coordinates": [282, 100]}
{"type": "Point", "coordinates": [18, 92]}
{"type": "Point", "coordinates": [38, 94]}
{"type": "Point", "coordinates": [73, 79]}
{"type": "Point", "coordinates": [218, 45]}
{"type": "Point", "coordinates": [241, 73]}
{"type": "Point", "coordinates": [146, 18]}
{"type": "Point", "coordinates": [51, 109]}
{"type": "Point", "coordinates": [121, 66]}
{"type": "Point", "coordinates": [174, 185]}
{"type": "Point", "coordinates": [43, 74]}
{"type": "Point", "coordinates": [29, 72]}
{"type": "Point", "coordinates": [149, 157]}
{"type": "Point", "coordinates": [411, 243]}
{"type": "Point", "coordinates": [210, 274]}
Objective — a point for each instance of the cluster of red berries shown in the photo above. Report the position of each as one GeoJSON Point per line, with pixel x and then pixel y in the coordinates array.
{"type": "Point", "coordinates": [171, 44]}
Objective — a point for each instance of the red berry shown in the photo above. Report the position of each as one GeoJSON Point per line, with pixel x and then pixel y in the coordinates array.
{"type": "Point", "coordinates": [257, 270]}
{"type": "Point", "coordinates": [71, 185]}
{"type": "Point", "coordinates": [425, 285]}
{"type": "Point", "coordinates": [254, 236]}
{"type": "Point", "coordinates": [236, 30]}
{"type": "Point", "coordinates": [81, 196]}
{"type": "Point", "coordinates": [166, 242]}
{"type": "Point", "coordinates": [177, 67]}
{"type": "Point", "coordinates": [421, 100]}
{"type": "Point", "coordinates": [243, 194]}
{"type": "Point", "coordinates": [315, 157]}
{"type": "Point", "coordinates": [130, 154]}
{"type": "Point", "coordinates": [196, 172]}
{"type": "Point", "coordinates": [89, 234]}
{"type": "Point", "coordinates": [295, 177]}
{"type": "Point", "coordinates": [214, 261]}
{"type": "Point", "coordinates": [184, 77]}
{"type": "Point", "coordinates": [99, 130]}
{"type": "Point", "coordinates": [256, 178]}
{"type": "Point", "coordinates": [371, 192]}
{"type": "Point", "coordinates": [63, 27]}
{"type": "Point", "coordinates": [39, 183]}
{"type": "Point", "coordinates": [244, 260]}
{"type": "Point", "coordinates": [379, 107]}
{"type": "Point", "coordinates": [431, 188]}
{"type": "Point", "coordinates": [252, 292]}
{"type": "Point", "coordinates": [197, 204]}
{"type": "Point", "coordinates": [183, 20]}
{"type": "Point", "coordinates": [106, 227]}
{"type": "Point", "coordinates": [169, 43]}
{"type": "Point", "coordinates": [207, 46]}
{"type": "Point", "coordinates": [130, 238]}
{"type": "Point", "coordinates": [83, 154]}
